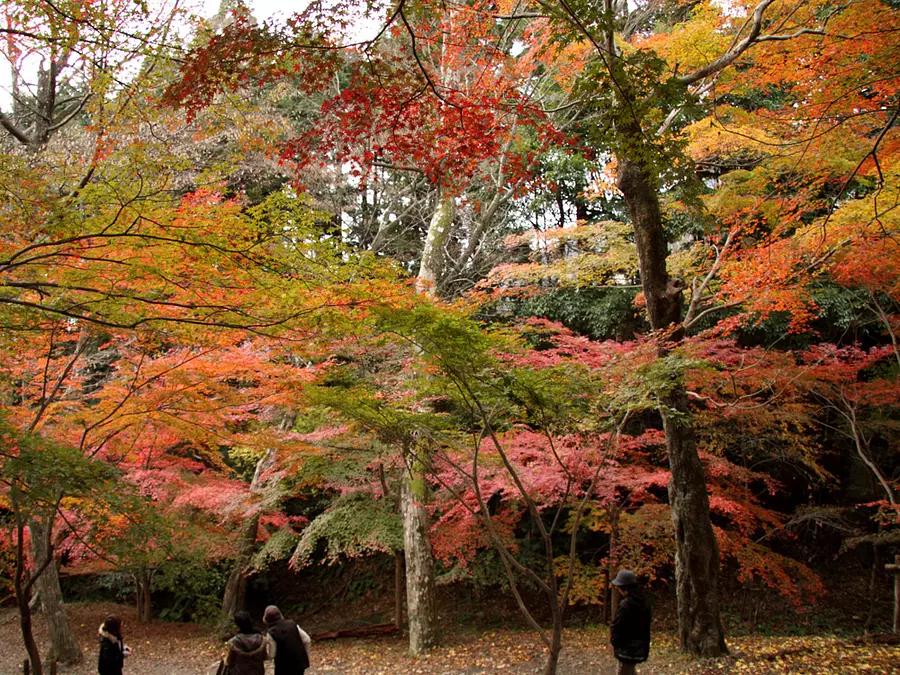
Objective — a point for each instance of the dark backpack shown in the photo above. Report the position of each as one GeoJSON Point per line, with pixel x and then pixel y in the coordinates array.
{"type": "Point", "coordinates": [290, 654]}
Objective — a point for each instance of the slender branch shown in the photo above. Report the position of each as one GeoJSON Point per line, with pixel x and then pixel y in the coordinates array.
{"type": "Point", "coordinates": [48, 399]}
{"type": "Point", "coordinates": [871, 153]}
{"type": "Point", "coordinates": [690, 317]}
{"type": "Point", "coordinates": [68, 118]}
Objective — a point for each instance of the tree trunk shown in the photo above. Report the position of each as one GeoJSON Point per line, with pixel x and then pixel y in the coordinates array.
{"type": "Point", "coordinates": [398, 589]}
{"type": "Point", "coordinates": [235, 594]}
{"type": "Point", "coordinates": [236, 586]}
{"type": "Point", "coordinates": [63, 644]}
{"type": "Point", "coordinates": [696, 550]}
{"type": "Point", "coordinates": [433, 253]}
{"type": "Point", "coordinates": [419, 565]}
{"type": "Point", "coordinates": [23, 600]}
{"type": "Point", "coordinates": [142, 601]}
{"type": "Point", "coordinates": [413, 490]}
{"type": "Point", "coordinates": [555, 648]}
{"type": "Point", "coordinates": [614, 595]}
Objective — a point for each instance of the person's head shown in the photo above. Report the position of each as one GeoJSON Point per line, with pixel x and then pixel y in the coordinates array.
{"type": "Point", "coordinates": [272, 615]}
{"type": "Point", "coordinates": [626, 581]}
{"type": "Point", "coordinates": [243, 621]}
{"type": "Point", "coordinates": [113, 625]}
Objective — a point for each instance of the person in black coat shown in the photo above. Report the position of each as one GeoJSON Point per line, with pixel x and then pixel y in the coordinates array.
{"type": "Point", "coordinates": [630, 630]}
{"type": "Point", "coordinates": [112, 649]}
{"type": "Point", "coordinates": [288, 643]}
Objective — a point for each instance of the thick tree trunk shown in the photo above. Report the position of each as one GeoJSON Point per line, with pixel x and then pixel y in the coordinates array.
{"type": "Point", "coordinates": [420, 602]}
{"type": "Point", "coordinates": [236, 586]}
{"type": "Point", "coordinates": [63, 643]}
{"type": "Point", "coordinates": [696, 550]}
{"type": "Point", "coordinates": [235, 594]}
{"type": "Point", "coordinates": [697, 553]}
{"type": "Point", "coordinates": [419, 565]}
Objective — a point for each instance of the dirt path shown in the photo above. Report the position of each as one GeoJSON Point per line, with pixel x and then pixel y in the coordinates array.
{"type": "Point", "coordinates": [182, 649]}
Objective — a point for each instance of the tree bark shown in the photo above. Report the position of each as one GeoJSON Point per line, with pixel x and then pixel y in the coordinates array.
{"type": "Point", "coordinates": [398, 589]}
{"type": "Point", "coordinates": [419, 565]}
{"type": "Point", "coordinates": [235, 594]}
{"type": "Point", "coordinates": [696, 552]}
{"type": "Point", "coordinates": [143, 602]}
{"type": "Point", "coordinates": [614, 596]}
{"type": "Point", "coordinates": [63, 643]}
{"type": "Point", "coordinates": [23, 600]}
{"type": "Point", "coordinates": [555, 649]}
{"type": "Point", "coordinates": [433, 253]}
{"type": "Point", "coordinates": [420, 599]}
{"type": "Point", "coordinates": [236, 587]}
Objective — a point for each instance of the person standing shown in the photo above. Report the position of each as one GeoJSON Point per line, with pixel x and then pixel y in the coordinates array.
{"type": "Point", "coordinates": [288, 643]}
{"type": "Point", "coordinates": [247, 651]}
{"type": "Point", "coordinates": [629, 633]}
{"type": "Point", "coordinates": [112, 648]}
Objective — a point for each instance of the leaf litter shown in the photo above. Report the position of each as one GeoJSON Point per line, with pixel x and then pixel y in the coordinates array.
{"type": "Point", "coordinates": [188, 649]}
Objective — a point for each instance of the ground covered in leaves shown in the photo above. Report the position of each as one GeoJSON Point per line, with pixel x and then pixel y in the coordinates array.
{"type": "Point", "coordinates": [181, 649]}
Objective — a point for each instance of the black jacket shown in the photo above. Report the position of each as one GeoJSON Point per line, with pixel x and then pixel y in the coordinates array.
{"type": "Point", "coordinates": [246, 654]}
{"type": "Point", "coordinates": [630, 630]}
{"type": "Point", "coordinates": [290, 654]}
{"type": "Point", "coordinates": [112, 654]}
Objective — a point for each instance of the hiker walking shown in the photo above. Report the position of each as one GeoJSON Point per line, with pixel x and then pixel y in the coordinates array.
{"type": "Point", "coordinates": [247, 652]}
{"type": "Point", "coordinates": [288, 643]}
{"type": "Point", "coordinates": [630, 630]}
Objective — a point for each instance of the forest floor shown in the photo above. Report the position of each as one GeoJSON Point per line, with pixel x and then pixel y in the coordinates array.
{"type": "Point", "coordinates": [185, 649]}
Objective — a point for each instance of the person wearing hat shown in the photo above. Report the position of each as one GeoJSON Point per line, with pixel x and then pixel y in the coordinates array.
{"type": "Point", "coordinates": [629, 633]}
{"type": "Point", "coordinates": [288, 644]}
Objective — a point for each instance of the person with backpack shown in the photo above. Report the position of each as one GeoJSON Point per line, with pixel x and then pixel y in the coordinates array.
{"type": "Point", "coordinates": [288, 643]}
{"type": "Point", "coordinates": [629, 633]}
{"type": "Point", "coordinates": [247, 651]}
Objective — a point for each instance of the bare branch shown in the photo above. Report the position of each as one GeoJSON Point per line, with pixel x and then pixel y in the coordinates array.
{"type": "Point", "coordinates": [690, 318]}
{"type": "Point", "coordinates": [726, 59]}
{"type": "Point", "coordinates": [14, 130]}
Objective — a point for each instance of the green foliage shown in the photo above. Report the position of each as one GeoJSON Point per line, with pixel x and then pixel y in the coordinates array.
{"type": "Point", "coordinates": [40, 471]}
{"type": "Point", "coordinates": [485, 571]}
{"type": "Point", "coordinates": [116, 587]}
{"type": "Point", "coordinates": [195, 586]}
{"type": "Point", "coordinates": [278, 547]}
{"type": "Point", "coordinates": [243, 460]}
{"type": "Point", "coordinates": [600, 313]}
{"type": "Point", "coordinates": [356, 524]}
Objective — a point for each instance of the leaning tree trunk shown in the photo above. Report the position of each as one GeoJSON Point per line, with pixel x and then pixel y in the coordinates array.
{"type": "Point", "coordinates": [63, 643]}
{"type": "Point", "coordinates": [236, 587]}
{"type": "Point", "coordinates": [419, 564]}
{"type": "Point", "coordinates": [696, 551]}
